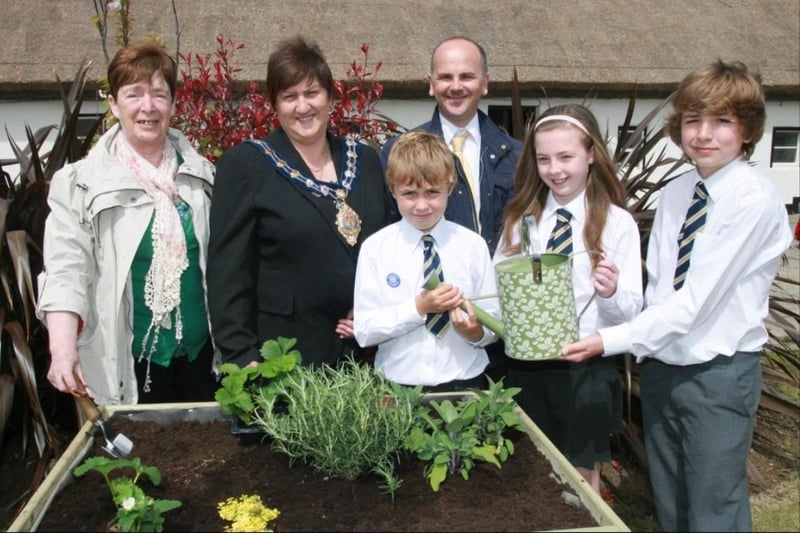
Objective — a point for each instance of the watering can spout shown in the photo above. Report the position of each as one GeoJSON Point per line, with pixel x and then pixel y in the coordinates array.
{"type": "Point", "coordinates": [489, 321]}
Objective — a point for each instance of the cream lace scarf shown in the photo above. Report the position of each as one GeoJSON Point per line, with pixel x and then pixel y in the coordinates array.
{"type": "Point", "coordinates": [162, 290]}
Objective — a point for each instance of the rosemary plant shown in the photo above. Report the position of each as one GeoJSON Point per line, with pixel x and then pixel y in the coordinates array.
{"type": "Point", "coordinates": [344, 421]}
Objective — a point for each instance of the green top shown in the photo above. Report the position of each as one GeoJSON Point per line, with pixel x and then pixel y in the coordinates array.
{"type": "Point", "coordinates": [192, 306]}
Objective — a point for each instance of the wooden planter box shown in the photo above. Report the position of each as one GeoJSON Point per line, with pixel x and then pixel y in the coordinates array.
{"type": "Point", "coordinates": [31, 515]}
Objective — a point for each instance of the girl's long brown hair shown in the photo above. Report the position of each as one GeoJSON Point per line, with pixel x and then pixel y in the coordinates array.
{"type": "Point", "coordinates": [602, 185]}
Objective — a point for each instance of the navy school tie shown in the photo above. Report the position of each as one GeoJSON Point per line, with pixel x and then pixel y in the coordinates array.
{"type": "Point", "coordinates": [437, 323]}
{"type": "Point", "coordinates": [694, 223]}
{"type": "Point", "coordinates": [560, 241]}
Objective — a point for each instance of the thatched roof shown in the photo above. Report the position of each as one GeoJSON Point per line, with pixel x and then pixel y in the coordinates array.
{"type": "Point", "coordinates": [605, 45]}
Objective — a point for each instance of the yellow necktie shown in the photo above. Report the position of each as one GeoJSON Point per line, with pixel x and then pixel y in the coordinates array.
{"type": "Point", "coordinates": [458, 150]}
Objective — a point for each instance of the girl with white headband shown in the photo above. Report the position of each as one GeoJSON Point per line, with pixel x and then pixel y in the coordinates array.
{"type": "Point", "coordinates": [567, 181]}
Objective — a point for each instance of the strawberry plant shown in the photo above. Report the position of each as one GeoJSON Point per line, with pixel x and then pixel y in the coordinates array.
{"type": "Point", "coordinates": [240, 384]}
{"type": "Point", "coordinates": [135, 510]}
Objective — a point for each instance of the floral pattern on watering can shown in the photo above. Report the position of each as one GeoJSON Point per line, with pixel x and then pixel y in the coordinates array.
{"type": "Point", "coordinates": [539, 318]}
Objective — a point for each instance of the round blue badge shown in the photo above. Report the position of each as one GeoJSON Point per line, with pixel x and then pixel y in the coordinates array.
{"type": "Point", "coordinates": [393, 280]}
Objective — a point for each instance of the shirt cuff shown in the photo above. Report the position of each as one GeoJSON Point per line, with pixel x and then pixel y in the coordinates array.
{"type": "Point", "coordinates": [616, 339]}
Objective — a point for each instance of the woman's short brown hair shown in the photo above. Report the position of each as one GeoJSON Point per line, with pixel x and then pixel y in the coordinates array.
{"type": "Point", "coordinates": [419, 158]}
{"type": "Point", "coordinates": [293, 61]}
{"type": "Point", "coordinates": [138, 62]}
{"type": "Point", "coordinates": [720, 88]}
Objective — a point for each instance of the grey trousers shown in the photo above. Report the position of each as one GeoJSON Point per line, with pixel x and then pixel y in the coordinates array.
{"type": "Point", "coordinates": [698, 427]}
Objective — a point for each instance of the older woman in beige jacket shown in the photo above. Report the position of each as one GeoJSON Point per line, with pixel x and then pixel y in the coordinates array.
{"type": "Point", "coordinates": [122, 291]}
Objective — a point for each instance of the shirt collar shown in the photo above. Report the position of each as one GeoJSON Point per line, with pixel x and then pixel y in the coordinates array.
{"type": "Point", "coordinates": [449, 130]}
{"type": "Point", "coordinates": [576, 207]}
{"type": "Point", "coordinates": [717, 183]}
{"type": "Point", "coordinates": [414, 236]}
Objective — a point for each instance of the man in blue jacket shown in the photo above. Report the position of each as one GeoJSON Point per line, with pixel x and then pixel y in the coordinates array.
{"type": "Point", "coordinates": [458, 79]}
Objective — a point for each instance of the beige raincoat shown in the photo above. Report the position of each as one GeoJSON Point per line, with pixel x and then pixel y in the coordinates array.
{"type": "Point", "coordinates": [98, 215]}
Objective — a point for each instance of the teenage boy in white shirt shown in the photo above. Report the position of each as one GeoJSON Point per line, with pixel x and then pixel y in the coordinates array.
{"type": "Point", "coordinates": [699, 339]}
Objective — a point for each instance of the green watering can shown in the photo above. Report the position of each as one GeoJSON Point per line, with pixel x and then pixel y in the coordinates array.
{"type": "Point", "coordinates": [538, 316]}
{"type": "Point", "coordinates": [537, 302]}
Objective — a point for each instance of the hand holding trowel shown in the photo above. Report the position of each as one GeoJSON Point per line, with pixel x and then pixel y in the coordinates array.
{"type": "Point", "coordinates": [121, 446]}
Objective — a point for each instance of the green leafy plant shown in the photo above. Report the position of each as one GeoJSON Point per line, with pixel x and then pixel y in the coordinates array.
{"type": "Point", "coordinates": [246, 513]}
{"type": "Point", "coordinates": [344, 421]}
{"type": "Point", "coordinates": [495, 414]}
{"type": "Point", "coordinates": [451, 437]}
{"type": "Point", "coordinates": [135, 510]}
{"type": "Point", "coordinates": [241, 384]}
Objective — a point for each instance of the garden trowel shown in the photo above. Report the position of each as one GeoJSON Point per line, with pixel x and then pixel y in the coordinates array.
{"type": "Point", "coordinates": [121, 446]}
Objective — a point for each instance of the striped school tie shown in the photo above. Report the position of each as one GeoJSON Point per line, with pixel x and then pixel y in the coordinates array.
{"type": "Point", "coordinates": [694, 223]}
{"type": "Point", "coordinates": [437, 323]}
{"type": "Point", "coordinates": [560, 241]}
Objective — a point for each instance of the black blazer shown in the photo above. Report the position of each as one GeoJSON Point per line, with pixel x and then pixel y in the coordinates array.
{"type": "Point", "coordinates": [277, 266]}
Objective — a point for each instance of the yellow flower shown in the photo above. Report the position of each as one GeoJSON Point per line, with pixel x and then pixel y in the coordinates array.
{"type": "Point", "coordinates": [247, 513]}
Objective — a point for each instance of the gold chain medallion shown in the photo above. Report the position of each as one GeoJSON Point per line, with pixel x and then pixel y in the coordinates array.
{"type": "Point", "coordinates": [347, 222]}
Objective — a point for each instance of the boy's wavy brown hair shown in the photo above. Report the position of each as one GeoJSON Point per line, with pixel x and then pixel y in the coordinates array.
{"type": "Point", "coordinates": [719, 88]}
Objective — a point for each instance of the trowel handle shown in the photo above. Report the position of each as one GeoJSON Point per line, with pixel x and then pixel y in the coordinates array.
{"type": "Point", "coordinates": [86, 403]}
{"type": "Point", "coordinates": [89, 408]}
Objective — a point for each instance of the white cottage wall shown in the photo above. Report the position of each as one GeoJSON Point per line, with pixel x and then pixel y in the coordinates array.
{"type": "Point", "coordinates": [14, 115]}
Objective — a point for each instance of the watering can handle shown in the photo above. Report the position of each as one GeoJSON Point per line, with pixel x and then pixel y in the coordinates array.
{"type": "Point", "coordinates": [529, 236]}
{"type": "Point", "coordinates": [585, 307]}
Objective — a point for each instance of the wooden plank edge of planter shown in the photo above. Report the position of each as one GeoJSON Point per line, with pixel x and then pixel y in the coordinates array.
{"type": "Point", "coordinates": [605, 516]}
{"type": "Point", "coordinates": [59, 476]}
{"type": "Point", "coordinates": [56, 479]}
{"type": "Point", "coordinates": [32, 514]}
{"type": "Point", "coordinates": [602, 513]}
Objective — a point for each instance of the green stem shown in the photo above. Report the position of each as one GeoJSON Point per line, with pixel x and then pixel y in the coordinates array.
{"type": "Point", "coordinates": [483, 317]}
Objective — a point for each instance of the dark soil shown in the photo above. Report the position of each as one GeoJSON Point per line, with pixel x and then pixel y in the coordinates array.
{"type": "Point", "coordinates": [626, 486]}
{"type": "Point", "coordinates": [203, 463]}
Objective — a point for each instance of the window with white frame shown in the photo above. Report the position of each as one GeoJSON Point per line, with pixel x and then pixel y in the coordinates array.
{"type": "Point", "coordinates": [785, 146]}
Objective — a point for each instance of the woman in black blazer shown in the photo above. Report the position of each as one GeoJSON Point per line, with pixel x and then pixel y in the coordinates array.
{"type": "Point", "coordinates": [288, 215]}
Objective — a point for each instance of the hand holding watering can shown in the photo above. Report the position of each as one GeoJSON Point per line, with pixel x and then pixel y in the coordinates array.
{"type": "Point", "coordinates": [536, 299]}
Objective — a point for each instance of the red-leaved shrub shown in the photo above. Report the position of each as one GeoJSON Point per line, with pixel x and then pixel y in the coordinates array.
{"type": "Point", "coordinates": [214, 117]}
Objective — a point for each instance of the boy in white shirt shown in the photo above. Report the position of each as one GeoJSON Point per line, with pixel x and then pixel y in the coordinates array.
{"type": "Point", "coordinates": [424, 337]}
{"type": "Point", "coordinates": [718, 237]}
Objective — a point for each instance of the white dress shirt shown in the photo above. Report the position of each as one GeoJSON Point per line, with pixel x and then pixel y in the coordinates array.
{"type": "Point", "coordinates": [389, 276]}
{"type": "Point", "coordinates": [722, 305]}
{"type": "Point", "coordinates": [621, 243]}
